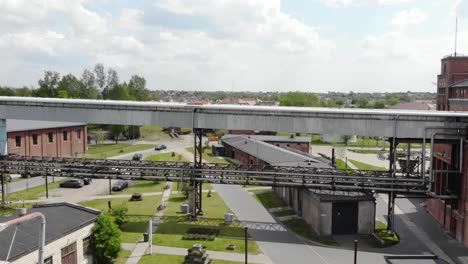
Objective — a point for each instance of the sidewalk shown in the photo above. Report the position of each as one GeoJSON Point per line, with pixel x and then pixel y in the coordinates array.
{"type": "Point", "coordinates": [142, 247]}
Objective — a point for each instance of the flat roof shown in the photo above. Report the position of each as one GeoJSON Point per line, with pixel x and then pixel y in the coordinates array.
{"type": "Point", "coordinates": [61, 220]}
{"type": "Point", "coordinates": [14, 125]}
{"type": "Point", "coordinates": [272, 154]}
{"type": "Point", "coordinates": [294, 139]}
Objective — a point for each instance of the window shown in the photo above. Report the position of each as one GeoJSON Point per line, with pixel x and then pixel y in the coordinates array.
{"type": "Point", "coordinates": [78, 134]}
{"type": "Point", "coordinates": [65, 135]}
{"type": "Point", "coordinates": [48, 260]}
{"type": "Point", "coordinates": [68, 250]}
{"type": "Point", "coordinates": [18, 141]}
{"type": "Point", "coordinates": [51, 137]}
{"type": "Point", "coordinates": [34, 138]}
{"type": "Point", "coordinates": [87, 246]}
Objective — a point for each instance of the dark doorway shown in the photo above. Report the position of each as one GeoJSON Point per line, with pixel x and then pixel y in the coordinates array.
{"type": "Point", "coordinates": [344, 218]}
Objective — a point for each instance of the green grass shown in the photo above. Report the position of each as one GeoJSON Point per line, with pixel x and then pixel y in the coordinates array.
{"type": "Point", "coordinates": [103, 151]}
{"type": "Point", "coordinates": [139, 213]}
{"type": "Point", "coordinates": [269, 199]}
{"type": "Point", "coordinates": [340, 164]}
{"type": "Point", "coordinates": [284, 213]}
{"type": "Point", "coordinates": [35, 192]}
{"type": "Point", "coordinates": [167, 157]}
{"type": "Point", "coordinates": [123, 256]}
{"type": "Point", "coordinates": [365, 166]}
{"type": "Point", "coordinates": [143, 187]}
{"type": "Point", "coordinates": [11, 209]}
{"type": "Point", "coordinates": [172, 259]}
{"type": "Point", "coordinates": [153, 133]}
{"type": "Point", "coordinates": [301, 228]}
{"type": "Point", "coordinates": [209, 157]}
{"type": "Point", "coordinates": [388, 238]}
{"type": "Point", "coordinates": [171, 230]}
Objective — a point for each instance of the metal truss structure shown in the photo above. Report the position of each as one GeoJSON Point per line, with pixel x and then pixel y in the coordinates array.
{"type": "Point", "coordinates": [281, 176]}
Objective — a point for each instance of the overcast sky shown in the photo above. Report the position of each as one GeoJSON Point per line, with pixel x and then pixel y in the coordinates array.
{"type": "Point", "coordinates": [240, 45]}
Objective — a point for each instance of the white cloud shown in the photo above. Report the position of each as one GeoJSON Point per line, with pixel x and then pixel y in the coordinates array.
{"type": "Point", "coordinates": [405, 18]}
{"type": "Point", "coordinates": [347, 3]}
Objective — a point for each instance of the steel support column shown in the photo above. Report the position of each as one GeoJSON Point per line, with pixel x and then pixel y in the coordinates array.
{"type": "Point", "coordinates": [3, 152]}
{"type": "Point", "coordinates": [391, 194]}
{"type": "Point", "coordinates": [195, 206]}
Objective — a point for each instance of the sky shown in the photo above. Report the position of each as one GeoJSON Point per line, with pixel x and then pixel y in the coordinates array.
{"type": "Point", "coordinates": [236, 45]}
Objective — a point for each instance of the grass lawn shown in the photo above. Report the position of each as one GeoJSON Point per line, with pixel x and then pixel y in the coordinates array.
{"type": "Point", "coordinates": [103, 151]}
{"type": "Point", "coordinates": [269, 199]}
{"type": "Point", "coordinates": [142, 187]}
{"type": "Point", "coordinates": [123, 256]}
{"type": "Point", "coordinates": [301, 228]}
{"type": "Point", "coordinates": [365, 166]}
{"type": "Point", "coordinates": [209, 157]}
{"type": "Point", "coordinates": [139, 213]}
{"type": "Point", "coordinates": [340, 164]}
{"type": "Point", "coordinates": [153, 133]}
{"type": "Point", "coordinates": [284, 213]}
{"type": "Point", "coordinates": [35, 192]}
{"type": "Point", "coordinates": [11, 209]}
{"type": "Point", "coordinates": [167, 157]}
{"type": "Point", "coordinates": [172, 259]}
{"type": "Point", "coordinates": [171, 230]}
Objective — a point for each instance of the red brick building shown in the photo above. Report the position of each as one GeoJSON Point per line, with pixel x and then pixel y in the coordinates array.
{"type": "Point", "coordinates": [451, 213]}
{"type": "Point", "coordinates": [47, 139]}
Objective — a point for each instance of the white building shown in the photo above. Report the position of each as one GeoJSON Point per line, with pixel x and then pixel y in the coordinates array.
{"type": "Point", "coordinates": [68, 235]}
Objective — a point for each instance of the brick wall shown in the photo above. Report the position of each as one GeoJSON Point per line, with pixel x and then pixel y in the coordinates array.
{"type": "Point", "coordinates": [49, 142]}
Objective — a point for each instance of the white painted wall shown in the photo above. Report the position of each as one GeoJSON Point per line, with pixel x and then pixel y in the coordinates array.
{"type": "Point", "coordinates": [54, 248]}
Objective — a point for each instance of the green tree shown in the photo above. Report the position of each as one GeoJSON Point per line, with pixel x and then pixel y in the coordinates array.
{"type": "Point", "coordinates": [137, 89]}
{"type": "Point", "coordinates": [106, 239]}
{"type": "Point", "coordinates": [392, 100]}
{"type": "Point", "coordinates": [379, 105]}
{"type": "Point", "coordinates": [362, 103]}
{"type": "Point", "coordinates": [299, 99]}
{"type": "Point", "coordinates": [116, 131]}
{"type": "Point", "coordinates": [48, 86]}
{"type": "Point", "coordinates": [119, 213]}
{"type": "Point", "coordinates": [72, 87]}
{"type": "Point", "coordinates": [118, 92]}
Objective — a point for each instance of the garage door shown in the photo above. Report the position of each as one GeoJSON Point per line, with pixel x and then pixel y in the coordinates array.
{"type": "Point", "coordinates": [69, 254]}
{"type": "Point", "coordinates": [344, 218]}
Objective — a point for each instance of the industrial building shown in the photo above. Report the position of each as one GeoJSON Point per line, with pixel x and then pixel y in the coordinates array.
{"type": "Point", "coordinates": [46, 139]}
{"type": "Point", "coordinates": [67, 235]}
{"type": "Point", "coordinates": [326, 212]}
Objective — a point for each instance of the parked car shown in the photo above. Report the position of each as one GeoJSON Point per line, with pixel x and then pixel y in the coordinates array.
{"type": "Point", "coordinates": [160, 147]}
{"type": "Point", "coordinates": [120, 185]}
{"type": "Point", "coordinates": [74, 183]}
{"type": "Point", "coordinates": [137, 156]}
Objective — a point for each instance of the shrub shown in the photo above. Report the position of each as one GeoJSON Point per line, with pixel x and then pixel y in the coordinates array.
{"type": "Point", "coordinates": [106, 239]}
{"type": "Point", "coordinates": [120, 214]}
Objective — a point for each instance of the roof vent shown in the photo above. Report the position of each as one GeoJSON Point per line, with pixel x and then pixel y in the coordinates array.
{"type": "Point", "coordinates": [245, 142]}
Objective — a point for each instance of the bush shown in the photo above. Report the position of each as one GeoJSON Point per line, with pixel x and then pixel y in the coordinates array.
{"type": "Point", "coordinates": [106, 239]}
{"type": "Point", "coordinates": [198, 237]}
{"type": "Point", "coordinates": [120, 214]}
{"type": "Point", "coordinates": [203, 231]}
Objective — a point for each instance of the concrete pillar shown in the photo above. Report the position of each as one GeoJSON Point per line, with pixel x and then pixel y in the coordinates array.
{"type": "Point", "coordinates": [3, 138]}
{"type": "Point", "coordinates": [192, 201]}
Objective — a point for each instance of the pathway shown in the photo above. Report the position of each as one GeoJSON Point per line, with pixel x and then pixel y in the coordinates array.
{"type": "Point", "coordinates": [142, 247]}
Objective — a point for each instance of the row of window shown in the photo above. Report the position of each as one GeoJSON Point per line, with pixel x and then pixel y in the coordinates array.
{"type": "Point", "coordinates": [50, 136]}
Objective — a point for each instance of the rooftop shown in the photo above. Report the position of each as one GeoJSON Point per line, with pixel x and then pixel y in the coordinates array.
{"type": "Point", "coordinates": [463, 83]}
{"type": "Point", "coordinates": [272, 154]}
{"type": "Point", "coordinates": [61, 218]}
{"type": "Point", "coordinates": [414, 106]}
{"type": "Point", "coordinates": [294, 139]}
{"type": "Point", "coordinates": [14, 125]}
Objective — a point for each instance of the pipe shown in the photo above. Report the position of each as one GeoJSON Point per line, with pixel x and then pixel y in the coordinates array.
{"type": "Point", "coordinates": [25, 218]}
{"type": "Point", "coordinates": [423, 150]}
{"type": "Point", "coordinates": [432, 151]}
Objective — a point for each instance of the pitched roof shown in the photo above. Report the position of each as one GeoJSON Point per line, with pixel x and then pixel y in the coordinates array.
{"type": "Point", "coordinates": [414, 106]}
{"type": "Point", "coordinates": [14, 125]}
{"type": "Point", "coordinates": [272, 154]}
{"type": "Point", "coordinates": [61, 219]}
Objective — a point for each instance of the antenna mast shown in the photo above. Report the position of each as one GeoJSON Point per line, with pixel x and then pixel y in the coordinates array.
{"type": "Point", "coordinates": [456, 34]}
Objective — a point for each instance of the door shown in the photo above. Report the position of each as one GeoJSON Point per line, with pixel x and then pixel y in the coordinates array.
{"type": "Point", "coordinates": [69, 254]}
{"type": "Point", "coordinates": [344, 218]}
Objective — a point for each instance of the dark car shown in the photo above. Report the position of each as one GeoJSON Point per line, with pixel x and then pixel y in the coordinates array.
{"type": "Point", "coordinates": [137, 156]}
{"type": "Point", "coordinates": [75, 183]}
{"type": "Point", "coordinates": [160, 147]}
{"type": "Point", "coordinates": [120, 185]}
